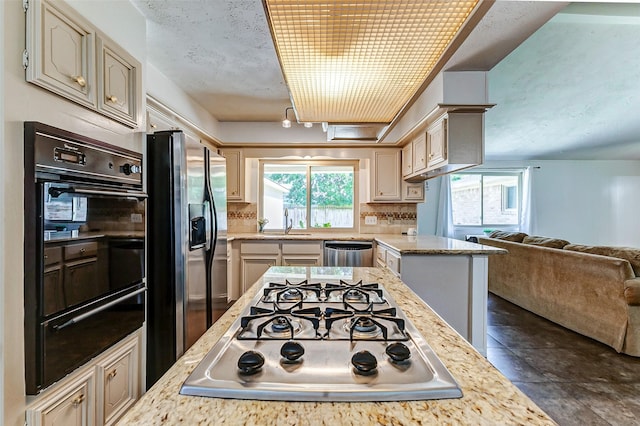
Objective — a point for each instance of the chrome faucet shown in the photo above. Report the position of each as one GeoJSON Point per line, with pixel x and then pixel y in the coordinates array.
{"type": "Point", "coordinates": [288, 223]}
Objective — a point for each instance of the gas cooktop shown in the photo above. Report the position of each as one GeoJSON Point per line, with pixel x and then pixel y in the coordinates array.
{"type": "Point", "coordinates": [321, 338]}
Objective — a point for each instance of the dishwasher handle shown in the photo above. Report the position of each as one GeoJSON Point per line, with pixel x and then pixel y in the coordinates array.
{"type": "Point", "coordinates": [348, 245]}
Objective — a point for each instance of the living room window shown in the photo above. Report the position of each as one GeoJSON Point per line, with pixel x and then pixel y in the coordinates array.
{"type": "Point", "coordinates": [486, 198]}
{"type": "Point", "coordinates": [318, 195]}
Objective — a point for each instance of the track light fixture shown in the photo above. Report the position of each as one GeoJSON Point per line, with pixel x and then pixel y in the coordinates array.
{"type": "Point", "coordinates": [286, 123]}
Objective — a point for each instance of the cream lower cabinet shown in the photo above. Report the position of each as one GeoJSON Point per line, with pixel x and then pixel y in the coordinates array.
{"type": "Point", "coordinates": [97, 394]}
{"type": "Point", "coordinates": [256, 257]}
{"type": "Point", "coordinates": [388, 258]}
{"type": "Point", "coordinates": [73, 404]}
{"type": "Point", "coordinates": [299, 253]}
{"type": "Point", "coordinates": [117, 380]}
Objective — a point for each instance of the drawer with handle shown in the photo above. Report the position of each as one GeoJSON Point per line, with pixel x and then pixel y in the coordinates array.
{"type": "Point", "coordinates": [77, 251]}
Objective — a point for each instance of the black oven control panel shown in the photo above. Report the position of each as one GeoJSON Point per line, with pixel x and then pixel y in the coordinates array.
{"type": "Point", "coordinates": [68, 157]}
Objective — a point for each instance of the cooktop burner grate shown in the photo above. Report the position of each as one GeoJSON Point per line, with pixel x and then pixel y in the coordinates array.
{"type": "Point", "coordinates": [322, 340]}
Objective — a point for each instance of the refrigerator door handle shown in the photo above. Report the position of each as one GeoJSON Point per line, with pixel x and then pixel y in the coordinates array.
{"type": "Point", "coordinates": [208, 211]}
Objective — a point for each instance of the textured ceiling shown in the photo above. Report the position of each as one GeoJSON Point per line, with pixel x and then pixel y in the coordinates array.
{"type": "Point", "coordinates": [571, 90]}
{"type": "Point", "coordinates": [220, 53]}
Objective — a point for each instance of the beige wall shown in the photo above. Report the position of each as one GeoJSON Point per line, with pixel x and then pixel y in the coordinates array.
{"type": "Point", "coordinates": [3, 204]}
{"type": "Point", "coordinates": [26, 102]}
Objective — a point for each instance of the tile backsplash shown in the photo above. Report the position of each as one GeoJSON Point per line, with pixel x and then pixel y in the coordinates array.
{"type": "Point", "coordinates": [393, 218]}
{"type": "Point", "coordinates": [242, 217]}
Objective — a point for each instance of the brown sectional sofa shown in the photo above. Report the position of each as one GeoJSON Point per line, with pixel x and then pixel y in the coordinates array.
{"type": "Point", "coordinates": [597, 295]}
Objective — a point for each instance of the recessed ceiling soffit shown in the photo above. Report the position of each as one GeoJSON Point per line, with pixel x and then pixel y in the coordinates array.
{"type": "Point", "coordinates": [360, 61]}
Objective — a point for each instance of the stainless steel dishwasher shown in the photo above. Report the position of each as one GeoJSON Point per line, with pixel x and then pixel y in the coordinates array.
{"type": "Point", "coordinates": [348, 253]}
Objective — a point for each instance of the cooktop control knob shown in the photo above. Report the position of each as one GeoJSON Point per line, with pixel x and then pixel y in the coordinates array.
{"type": "Point", "coordinates": [364, 362]}
{"type": "Point", "coordinates": [128, 169]}
{"type": "Point", "coordinates": [292, 351]}
{"type": "Point", "coordinates": [398, 352]}
{"type": "Point", "coordinates": [250, 362]}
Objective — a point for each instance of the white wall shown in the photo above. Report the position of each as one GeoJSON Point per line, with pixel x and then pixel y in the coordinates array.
{"type": "Point", "coordinates": [585, 202]}
{"type": "Point", "coordinates": [588, 202]}
{"type": "Point", "coordinates": [171, 96]}
{"type": "Point", "coordinates": [26, 102]}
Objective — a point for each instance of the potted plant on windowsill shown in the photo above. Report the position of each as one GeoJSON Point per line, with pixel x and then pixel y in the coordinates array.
{"type": "Point", "coordinates": [261, 223]}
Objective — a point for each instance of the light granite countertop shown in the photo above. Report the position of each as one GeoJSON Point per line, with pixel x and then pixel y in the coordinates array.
{"type": "Point", "coordinates": [430, 244]}
{"type": "Point", "coordinates": [488, 397]}
{"type": "Point", "coordinates": [404, 244]}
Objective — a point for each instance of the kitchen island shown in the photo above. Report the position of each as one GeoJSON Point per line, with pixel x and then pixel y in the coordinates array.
{"type": "Point", "coordinates": [488, 397]}
{"type": "Point", "coordinates": [449, 274]}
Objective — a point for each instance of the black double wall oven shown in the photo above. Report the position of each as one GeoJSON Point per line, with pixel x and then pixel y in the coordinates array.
{"type": "Point", "coordinates": [83, 249]}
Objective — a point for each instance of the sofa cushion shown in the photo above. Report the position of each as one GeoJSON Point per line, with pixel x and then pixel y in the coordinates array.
{"type": "Point", "coordinates": [516, 237]}
{"type": "Point", "coordinates": [632, 255]}
{"type": "Point", "coordinates": [544, 241]}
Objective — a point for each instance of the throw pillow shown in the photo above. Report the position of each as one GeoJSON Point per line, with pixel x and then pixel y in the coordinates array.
{"type": "Point", "coordinates": [545, 241]}
{"type": "Point", "coordinates": [630, 254]}
{"type": "Point", "coordinates": [516, 237]}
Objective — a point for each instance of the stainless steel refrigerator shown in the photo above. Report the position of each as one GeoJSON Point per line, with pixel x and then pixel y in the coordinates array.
{"type": "Point", "coordinates": [187, 245]}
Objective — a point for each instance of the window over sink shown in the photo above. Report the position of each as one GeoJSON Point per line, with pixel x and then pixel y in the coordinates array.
{"type": "Point", "coordinates": [315, 195]}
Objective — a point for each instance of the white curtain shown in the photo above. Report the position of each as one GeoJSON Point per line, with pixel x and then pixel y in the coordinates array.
{"type": "Point", "coordinates": [444, 220]}
{"type": "Point", "coordinates": [526, 213]}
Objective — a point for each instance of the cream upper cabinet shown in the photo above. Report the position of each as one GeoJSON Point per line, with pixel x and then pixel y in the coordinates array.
{"type": "Point", "coordinates": [419, 152]}
{"type": "Point", "coordinates": [407, 159]}
{"type": "Point", "coordinates": [413, 192]}
{"type": "Point", "coordinates": [454, 141]}
{"type": "Point", "coordinates": [66, 55]}
{"type": "Point", "coordinates": [385, 181]}
{"type": "Point", "coordinates": [61, 53]}
{"type": "Point", "coordinates": [119, 74]}
{"type": "Point", "coordinates": [437, 143]}
{"type": "Point", "coordinates": [235, 174]}
{"type": "Point", "coordinates": [157, 121]}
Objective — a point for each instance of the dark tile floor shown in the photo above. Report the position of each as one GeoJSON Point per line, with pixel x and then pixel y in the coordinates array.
{"type": "Point", "coordinates": [575, 379]}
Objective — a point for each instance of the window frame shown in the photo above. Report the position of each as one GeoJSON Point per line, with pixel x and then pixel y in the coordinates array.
{"type": "Point", "coordinates": [309, 164]}
{"type": "Point", "coordinates": [519, 173]}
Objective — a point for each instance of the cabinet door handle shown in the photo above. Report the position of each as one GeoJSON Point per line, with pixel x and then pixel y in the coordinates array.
{"type": "Point", "coordinates": [112, 99]}
{"type": "Point", "coordinates": [82, 250]}
{"type": "Point", "coordinates": [153, 126]}
{"type": "Point", "coordinates": [80, 80]}
{"type": "Point", "coordinates": [78, 400]}
{"type": "Point", "coordinates": [112, 374]}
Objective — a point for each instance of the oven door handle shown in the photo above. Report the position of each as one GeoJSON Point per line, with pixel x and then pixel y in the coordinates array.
{"type": "Point", "coordinates": [56, 192]}
{"type": "Point", "coordinates": [92, 312]}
